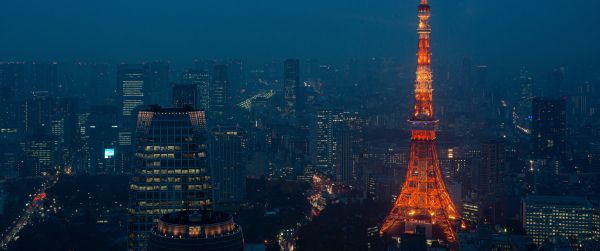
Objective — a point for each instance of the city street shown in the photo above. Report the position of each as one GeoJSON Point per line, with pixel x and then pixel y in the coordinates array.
{"type": "Point", "coordinates": [30, 209]}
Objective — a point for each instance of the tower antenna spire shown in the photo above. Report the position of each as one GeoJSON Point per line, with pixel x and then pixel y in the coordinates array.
{"type": "Point", "coordinates": [423, 200]}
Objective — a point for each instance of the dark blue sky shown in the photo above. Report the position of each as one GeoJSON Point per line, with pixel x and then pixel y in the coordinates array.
{"type": "Point", "coordinates": [510, 32]}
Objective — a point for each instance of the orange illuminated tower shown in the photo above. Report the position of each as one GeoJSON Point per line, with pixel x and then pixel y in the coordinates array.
{"type": "Point", "coordinates": [424, 202]}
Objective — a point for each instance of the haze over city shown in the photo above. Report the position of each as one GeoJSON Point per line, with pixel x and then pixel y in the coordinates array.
{"type": "Point", "coordinates": [408, 125]}
{"type": "Point", "coordinates": [533, 34]}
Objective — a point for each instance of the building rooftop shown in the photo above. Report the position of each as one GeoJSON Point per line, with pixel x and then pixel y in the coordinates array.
{"type": "Point", "coordinates": [197, 217]}
{"type": "Point", "coordinates": [563, 200]}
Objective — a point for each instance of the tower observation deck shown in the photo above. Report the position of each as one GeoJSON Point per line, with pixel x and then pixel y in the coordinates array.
{"type": "Point", "coordinates": [423, 202]}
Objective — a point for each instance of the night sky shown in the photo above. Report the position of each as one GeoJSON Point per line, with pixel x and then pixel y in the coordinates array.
{"type": "Point", "coordinates": [508, 32]}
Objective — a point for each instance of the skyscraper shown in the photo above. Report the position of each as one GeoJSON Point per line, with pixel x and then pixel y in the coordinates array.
{"type": "Point", "coordinates": [63, 121]}
{"type": "Point", "coordinates": [51, 116]}
{"type": "Point", "coordinates": [322, 142]}
{"type": "Point", "coordinates": [99, 80]}
{"type": "Point", "coordinates": [42, 151]}
{"type": "Point", "coordinates": [548, 129]}
{"type": "Point", "coordinates": [344, 156]}
{"type": "Point", "coordinates": [201, 79]}
{"type": "Point", "coordinates": [491, 179]}
{"type": "Point", "coordinates": [424, 202]}
{"type": "Point", "coordinates": [219, 91]}
{"type": "Point", "coordinates": [8, 111]}
{"type": "Point", "coordinates": [227, 160]}
{"type": "Point", "coordinates": [170, 171]}
{"type": "Point", "coordinates": [348, 140]}
{"type": "Point", "coordinates": [485, 92]}
{"type": "Point", "coordinates": [37, 112]}
{"type": "Point", "coordinates": [184, 95]}
{"type": "Point", "coordinates": [523, 109]}
{"type": "Point", "coordinates": [492, 168]}
{"type": "Point", "coordinates": [131, 79]}
{"type": "Point", "coordinates": [103, 132]}
{"type": "Point", "coordinates": [291, 86]}
{"type": "Point", "coordinates": [157, 88]}
{"type": "Point", "coordinates": [235, 74]}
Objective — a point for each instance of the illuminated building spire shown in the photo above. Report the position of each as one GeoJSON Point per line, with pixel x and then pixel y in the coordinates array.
{"type": "Point", "coordinates": [423, 200]}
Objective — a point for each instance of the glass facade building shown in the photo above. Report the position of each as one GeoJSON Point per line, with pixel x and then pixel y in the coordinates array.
{"type": "Point", "coordinates": [130, 79]}
{"type": "Point", "coordinates": [170, 170]}
{"type": "Point", "coordinates": [201, 79]}
{"type": "Point", "coordinates": [549, 126]}
{"type": "Point", "coordinates": [228, 165]}
{"type": "Point", "coordinates": [291, 82]}
{"type": "Point", "coordinates": [219, 91]}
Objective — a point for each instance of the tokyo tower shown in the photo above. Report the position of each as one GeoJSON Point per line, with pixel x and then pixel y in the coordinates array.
{"type": "Point", "coordinates": [423, 203]}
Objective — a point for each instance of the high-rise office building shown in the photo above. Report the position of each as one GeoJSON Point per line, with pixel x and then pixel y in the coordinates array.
{"type": "Point", "coordinates": [344, 163]}
{"type": "Point", "coordinates": [12, 87]}
{"type": "Point", "coordinates": [63, 120]}
{"type": "Point", "coordinates": [103, 132]}
{"type": "Point", "coordinates": [41, 151]}
{"type": "Point", "coordinates": [291, 86]}
{"type": "Point", "coordinates": [219, 91]}
{"type": "Point", "coordinates": [348, 139]}
{"type": "Point", "coordinates": [492, 167]}
{"type": "Point", "coordinates": [523, 109]}
{"type": "Point", "coordinates": [157, 88]}
{"type": "Point", "coordinates": [290, 146]}
{"type": "Point", "coordinates": [56, 117]}
{"type": "Point", "coordinates": [98, 81]}
{"type": "Point", "coordinates": [236, 74]}
{"type": "Point", "coordinates": [196, 230]}
{"type": "Point", "coordinates": [567, 216]}
{"type": "Point", "coordinates": [492, 177]}
{"type": "Point", "coordinates": [131, 82]}
{"type": "Point", "coordinates": [170, 171]}
{"type": "Point", "coordinates": [201, 79]}
{"type": "Point", "coordinates": [471, 212]}
{"type": "Point", "coordinates": [131, 79]}
{"type": "Point", "coordinates": [227, 160]}
{"type": "Point", "coordinates": [323, 147]}
{"type": "Point", "coordinates": [8, 111]}
{"type": "Point", "coordinates": [334, 143]}
{"type": "Point", "coordinates": [36, 114]}
{"type": "Point", "coordinates": [548, 128]}
{"type": "Point", "coordinates": [11, 157]}
{"type": "Point", "coordinates": [185, 96]}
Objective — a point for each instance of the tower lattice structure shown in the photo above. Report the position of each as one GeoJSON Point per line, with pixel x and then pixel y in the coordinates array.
{"type": "Point", "coordinates": [423, 199]}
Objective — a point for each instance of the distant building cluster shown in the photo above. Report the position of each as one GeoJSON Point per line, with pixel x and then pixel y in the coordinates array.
{"type": "Point", "coordinates": [519, 155]}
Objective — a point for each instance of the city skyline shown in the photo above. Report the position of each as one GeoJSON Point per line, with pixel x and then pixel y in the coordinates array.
{"type": "Point", "coordinates": [308, 126]}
